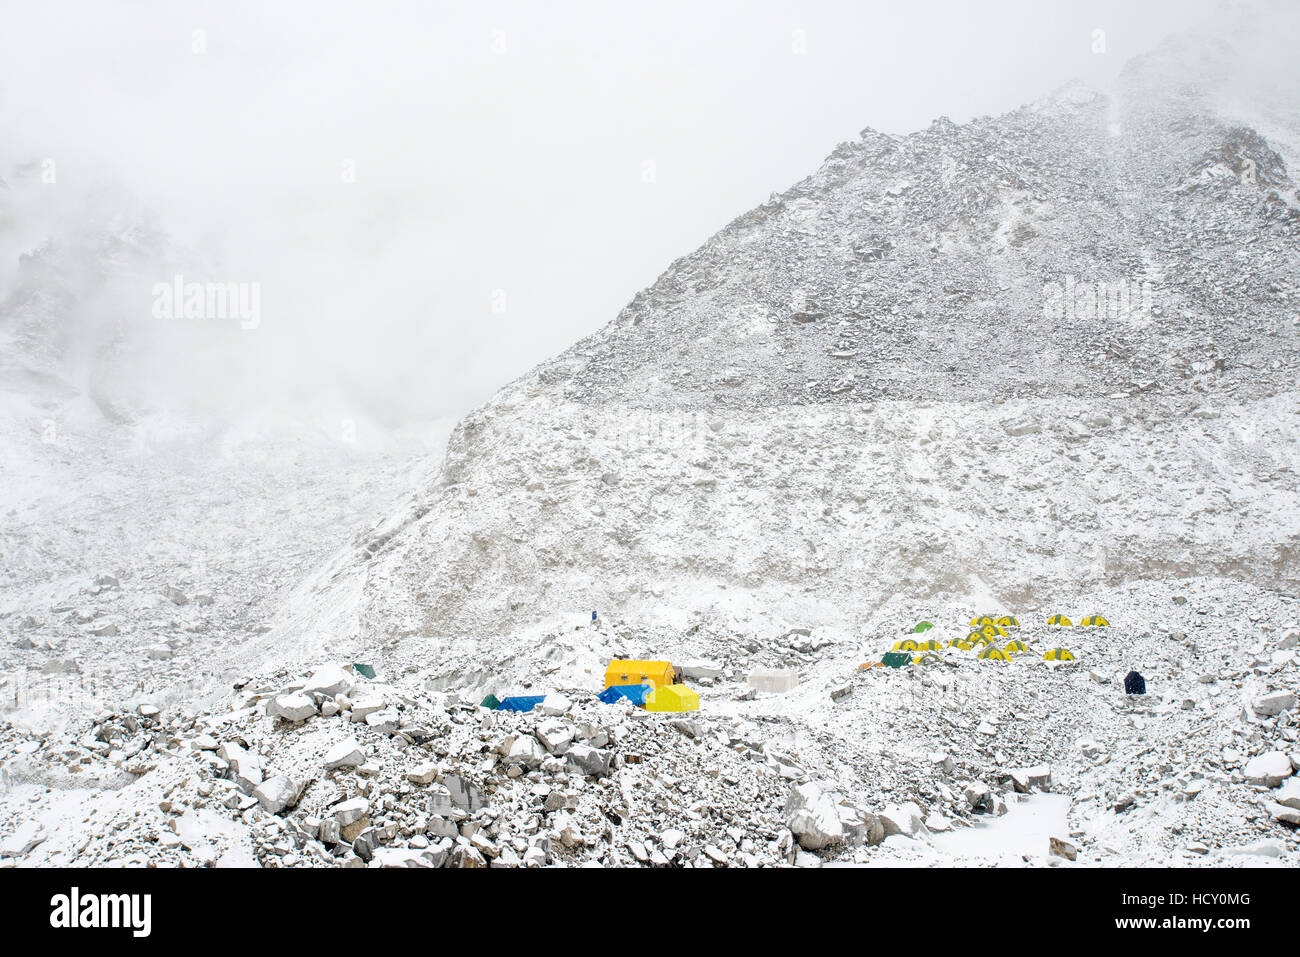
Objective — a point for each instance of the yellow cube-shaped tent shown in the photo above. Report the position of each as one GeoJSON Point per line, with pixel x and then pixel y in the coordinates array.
{"type": "Point", "coordinates": [672, 698]}
{"type": "Point", "coordinates": [657, 674]}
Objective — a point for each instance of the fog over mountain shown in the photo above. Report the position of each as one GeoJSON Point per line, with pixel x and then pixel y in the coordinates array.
{"type": "Point", "coordinates": [392, 205]}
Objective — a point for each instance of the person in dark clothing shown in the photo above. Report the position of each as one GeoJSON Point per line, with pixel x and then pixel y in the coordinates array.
{"type": "Point", "coordinates": [1134, 683]}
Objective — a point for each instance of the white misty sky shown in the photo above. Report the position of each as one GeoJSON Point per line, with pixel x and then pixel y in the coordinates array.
{"type": "Point", "coordinates": [496, 146]}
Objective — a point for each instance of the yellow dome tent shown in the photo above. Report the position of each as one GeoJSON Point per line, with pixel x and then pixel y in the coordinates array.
{"type": "Point", "coordinates": [1015, 646]}
{"type": "Point", "coordinates": [994, 630]}
{"type": "Point", "coordinates": [993, 653]}
{"type": "Point", "coordinates": [1006, 621]}
{"type": "Point", "coordinates": [672, 698]}
{"type": "Point", "coordinates": [1058, 654]}
{"type": "Point", "coordinates": [978, 638]}
{"type": "Point", "coordinates": [1060, 620]}
{"type": "Point", "coordinates": [929, 658]}
{"type": "Point", "coordinates": [627, 672]}
{"type": "Point", "coordinates": [907, 644]}
{"type": "Point", "coordinates": [930, 645]}
{"type": "Point", "coordinates": [980, 620]}
{"type": "Point", "coordinates": [958, 643]}
{"type": "Point", "coordinates": [1094, 621]}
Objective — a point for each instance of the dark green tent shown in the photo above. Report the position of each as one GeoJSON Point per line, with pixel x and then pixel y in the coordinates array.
{"type": "Point", "coordinates": [896, 659]}
{"type": "Point", "coordinates": [364, 671]}
{"type": "Point", "coordinates": [490, 702]}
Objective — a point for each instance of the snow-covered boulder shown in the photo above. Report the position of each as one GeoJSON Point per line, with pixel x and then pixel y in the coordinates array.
{"type": "Point", "coordinates": [1269, 769]}
{"type": "Point", "coordinates": [813, 817]}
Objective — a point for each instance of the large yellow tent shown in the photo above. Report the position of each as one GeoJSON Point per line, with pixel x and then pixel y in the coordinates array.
{"type": "Point", "coordinates": [1007, 621]}
{"type": "Point", "coordinates": [980, 620]}
{"type": "Point", "coordinates": [994, 653]}
{"type": "Point", "coordinates": [994, 630]}
{"type": "Point", "coordinates": [672, 698]}
{"type": "Point", "coordinates": [930, 645]}
{"type": "Point", "coordinates": [1060, 620]}
{"type": "Point", "coordinates": [625, 672]}
{"type": "Point", "coordinates": [929, 658]}
{"type": "Point", "coordinates": [1094, 621]}
{"type": "Point", "coordinates": [978, 638]}
{"type": "Point", "coordinates": [1058, 654]}
{"type": "Point", "coordinates": [907, 644]}
{"type": "Point", "coordinates": [1015, 646]}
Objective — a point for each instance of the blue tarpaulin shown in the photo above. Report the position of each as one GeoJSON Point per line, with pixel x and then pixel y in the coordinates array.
{"type": "Point", "coordinates": [527, 703]}
{"type": "Point", "coordinates": [634, 693]}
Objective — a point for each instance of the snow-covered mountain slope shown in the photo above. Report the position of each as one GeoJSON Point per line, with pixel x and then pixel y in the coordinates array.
{"type": "Point", "coordinates": [1051, 350]}
{"type": "Point", "coordinates": [153, 503]}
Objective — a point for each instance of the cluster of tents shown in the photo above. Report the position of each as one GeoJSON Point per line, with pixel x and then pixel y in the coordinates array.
{"type": "Point", "coordinates": [985, 630]}
{"type": "Point", "coordinates": [653, 685]}
{"type": "Point", "coordinates": [1092, 621]}
{"type": "Point", "coordinates": [517, 703]}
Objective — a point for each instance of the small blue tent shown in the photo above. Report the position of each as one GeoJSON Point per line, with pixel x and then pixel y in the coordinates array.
{"type": "Point", "coordinates": [520, 704]}
{"type": "Point", "coordinates": [634, 693]}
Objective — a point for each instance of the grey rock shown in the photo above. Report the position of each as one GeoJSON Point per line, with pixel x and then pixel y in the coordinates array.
{"type": "Point", "coordinates": [345, 754]}
{"type": "Point", "coordinates": [1062, 848]}
{"type": "Point", "coordinates": [277, 793]}
{"type": "Point", "coordinates": [902, 819]}
{"type": "Point", "coordinates": [813, 817]}
{"type": "Point", "coordinates": [1275, 702]}
{"type": "Point", "coordinates": [294, 706]}
{"type": "Point", "coordinates": [23, 840]}
{"type": "Point", "coordinates": [351, 811]}
{"type": "Point", "coordinates": [330, 680]}
{"type": "Point", "coordinates": [1269, 769]}
{"type": "Point", "coordinates": [589, 760]}
{"type": "Point", "coordinates": [464, 795]}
